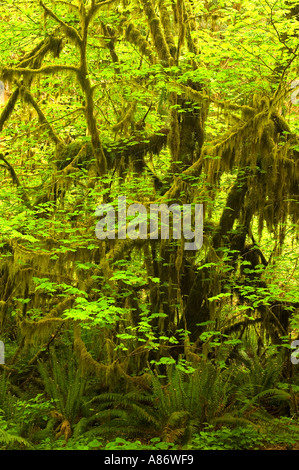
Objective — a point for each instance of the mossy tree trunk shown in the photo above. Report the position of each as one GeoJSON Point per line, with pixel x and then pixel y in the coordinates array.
{"type": "Point", "coordinates": [132, 124]}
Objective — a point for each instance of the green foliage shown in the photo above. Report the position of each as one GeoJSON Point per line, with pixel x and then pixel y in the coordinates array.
{"type": "Point", "coordinates": [225, 438]}
{"type": "Point", "coordinates": [10, 441]}
{"type": "Point", "coordinates": [278, 434]}
{"type": "Point", "coordinates": [185, 401]}
{"type": "Point", "coordinates": [139, 343]}
{"type": "Point", "coordinates": [135, 402]}
{"type": "Point", "coordinates": [64, 385]}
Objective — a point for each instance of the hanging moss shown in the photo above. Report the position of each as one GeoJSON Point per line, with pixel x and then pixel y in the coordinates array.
{"type": "Point", "coordinates": [70, 32]}
{"type": "Point", "coordinates": [88, 363]}
{"type": "Point", "coordinates": [108, 32]}
{"type": "Point", "coordinates": [122, 126]}
{"type": "Point", "coordinates": [136, 148]}
{"type": "Point", "coordinates": [167, 27]}
{"type": "Point", "coordinates": [35, 57]}
{"type": "Point", "coordinates": [38, 331]}
{"type": "Point", "coordinates": [134, 36]}
{"type": "Point", "coordinates": [28, 98]}
{"type": "Point", "coordinates": [110, 374]}
{"type": "Point", "coordinates": [159, 40]}
{"type": "Point", "coordinates": [181, 26]}
{"type": "Point", "coordinates": [191, 27]}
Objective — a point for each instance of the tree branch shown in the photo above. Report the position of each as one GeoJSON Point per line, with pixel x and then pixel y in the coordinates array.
{"type": "Point", "coordinates": [70, 31]}
{"type": "Point", "coordinates": [9, 108]}
{"type": "Point", "coordinates": [8, 72]}
{"type": "Point", "coordinates": [15, 179]}
{"type": "Point", "coordinates": [42, 118]}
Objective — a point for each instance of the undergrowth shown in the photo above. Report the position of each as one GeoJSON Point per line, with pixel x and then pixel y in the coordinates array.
{"type": "Point", "coordinates": [208, 407]}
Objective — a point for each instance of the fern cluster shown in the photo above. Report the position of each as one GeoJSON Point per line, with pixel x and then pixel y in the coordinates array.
{"type": "Point", "coordinates": [8, 441]}
{"type": "Point", "coordinates": [65, 385]}
{"type": "Point", "coordinates": [185, 401]}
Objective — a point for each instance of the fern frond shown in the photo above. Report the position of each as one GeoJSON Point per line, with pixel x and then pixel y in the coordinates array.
{"type": "Point", "coordinates": [275, 393]}
{"type": "Point", "coordinates": [233, 421]}
{"type": "Point", "coordinates": [129, 403]}
{"type": "Point", "coordinates": [9, 440]}
{"type": "Point", "coordinates": [65, 385]}
{"type": "Point", "coordinates": [177, 418]}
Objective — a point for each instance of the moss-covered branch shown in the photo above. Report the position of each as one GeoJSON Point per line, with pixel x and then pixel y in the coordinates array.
{"type": "Point", "coordinates": [15, 178]}
{"type": "Point", "coordinates": [168, 32]}
{"type": "Point", "coordinates": [157, 33]}
{"type": "Point", "coordinates": [8, 73]}
{"type": "Point", "coordinates": [10, 105]}
{"type": "Point", "coordinates": [134, 36]}
{"type": "Point", "coordinates": [42, 118]}
{"type": "Point", "coordinates": [69, 30]}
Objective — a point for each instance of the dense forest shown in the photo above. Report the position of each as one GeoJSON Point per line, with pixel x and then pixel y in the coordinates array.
{"type": "Point", "coordinates": [135, 342]}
